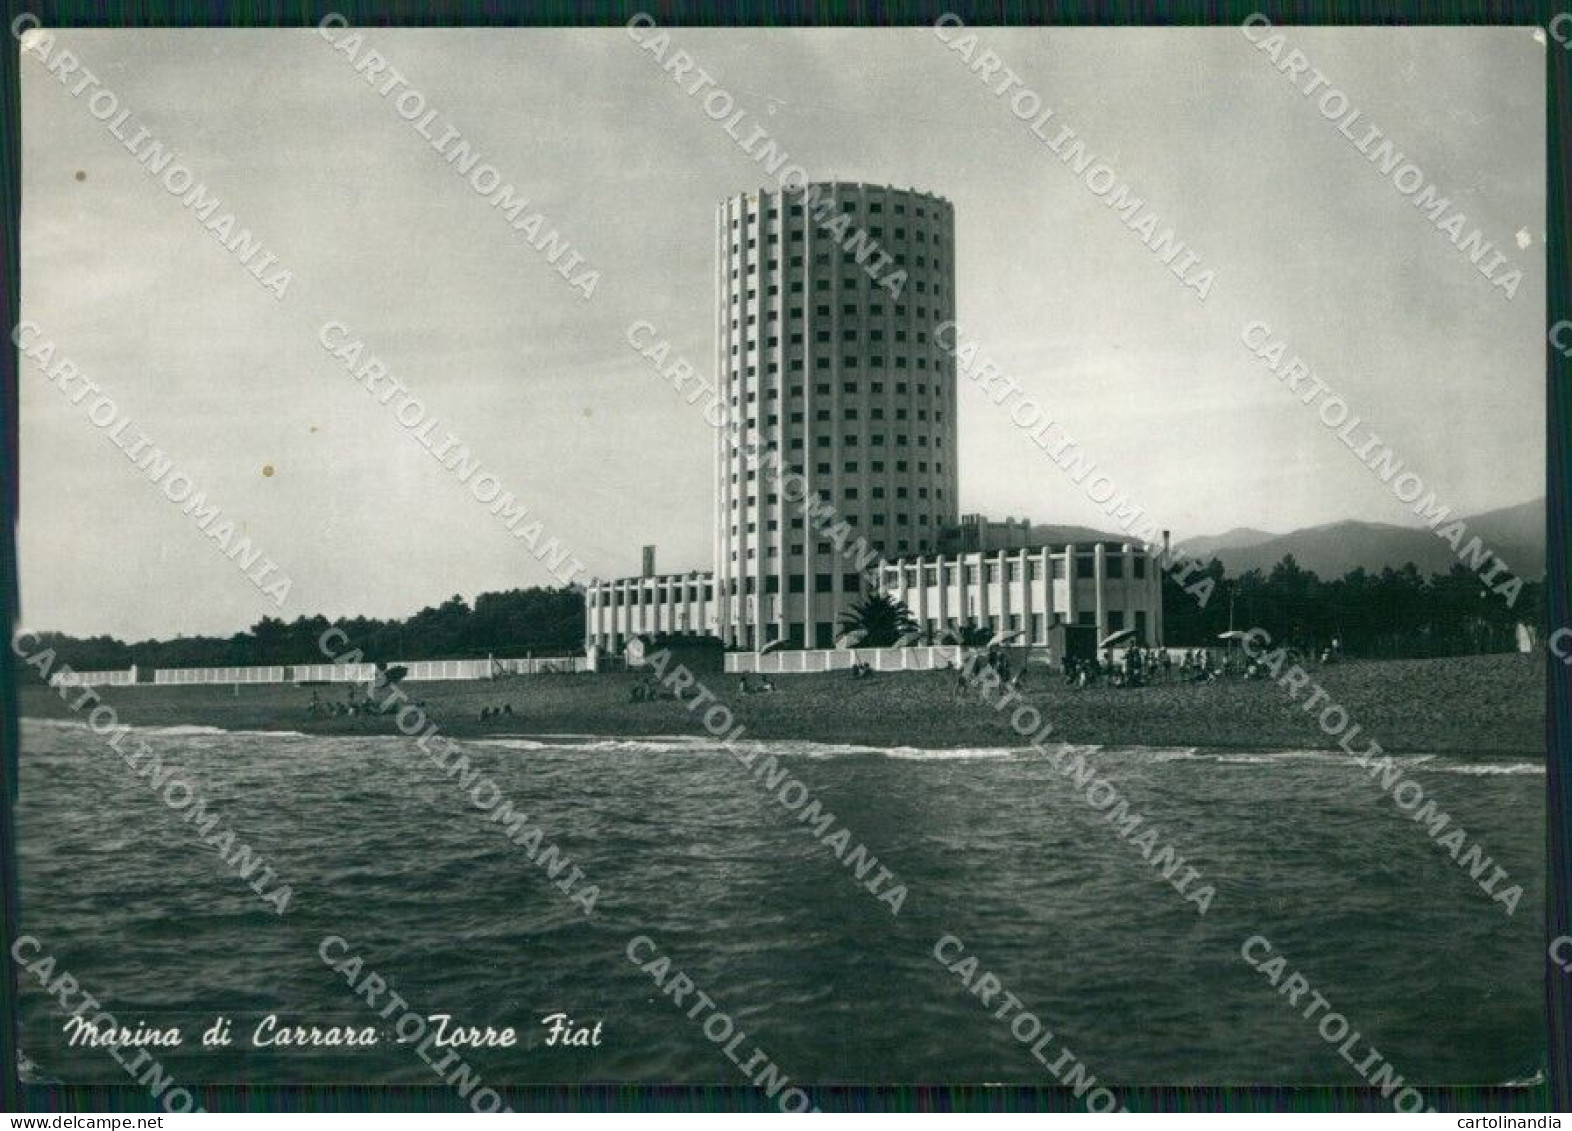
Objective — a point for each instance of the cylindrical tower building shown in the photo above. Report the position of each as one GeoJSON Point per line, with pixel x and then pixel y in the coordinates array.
{"type": "Point", "coordinates": [827, 302]}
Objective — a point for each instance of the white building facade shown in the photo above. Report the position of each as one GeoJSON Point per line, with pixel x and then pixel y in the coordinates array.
{"type": "Point", "coordinates": [827, 371]}
{"type": "Point", "coordinates": [1107, 586]}
{"type": "Point", "coordinates": [1104, 585]}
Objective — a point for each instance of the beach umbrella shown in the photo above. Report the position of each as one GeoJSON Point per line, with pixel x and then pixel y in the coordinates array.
{"type": "Point", "coordinates": [851, 639]}
{"type": "Point", "coordinates": [778, 642]}
{"type": "Point", "coordinates": [1004, 637]}
{"type": "Point", "coordinates": [1233, 636]}
{"type": "Point", "coordinates": [908, 640]}
{"type": "Point", "coordinates": [1116, 637]}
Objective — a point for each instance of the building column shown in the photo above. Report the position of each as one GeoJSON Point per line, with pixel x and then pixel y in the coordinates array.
{"type": "Point", "coordinates": [1100, 588]}
{"type": "Point", "coordinates": [963, 589]}
{"type": "Point", "coordinates": [984, 606]}
{"type": "Point", "coordinates": [1006, 606]}
{"type": "Point", "coordinates": [1154, 581]}
{"type": "Point", "coordinates": [942, 592]}
{"type": "Point", "coordinates": [1046, 576]}
{"type": "Point", "coordinates": [1072, 606]}
{"type": "Point", "coordinates": [1023, 559]}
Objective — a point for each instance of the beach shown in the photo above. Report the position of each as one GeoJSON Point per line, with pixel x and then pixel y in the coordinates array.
{"type": "Point", "coordinates": [1489, 706]}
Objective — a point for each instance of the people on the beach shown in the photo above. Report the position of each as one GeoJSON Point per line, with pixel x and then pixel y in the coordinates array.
{"type": "Point", "coordinates": [648, 690]}
{"type": "Point", "coordinates": [1140, 666]}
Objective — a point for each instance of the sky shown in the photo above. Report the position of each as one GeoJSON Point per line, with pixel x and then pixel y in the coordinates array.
{"type": "Point", "coordinates": [1303, 233]}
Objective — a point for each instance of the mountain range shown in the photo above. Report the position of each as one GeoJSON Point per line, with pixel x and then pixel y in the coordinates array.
{"type": "Point", "coordinates": [1516, 534]}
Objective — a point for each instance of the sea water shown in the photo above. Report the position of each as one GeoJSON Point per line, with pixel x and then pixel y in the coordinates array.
{"type": "Point", "coordinates": [685, 845]}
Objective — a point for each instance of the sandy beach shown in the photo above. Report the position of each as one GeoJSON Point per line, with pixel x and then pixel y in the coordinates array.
{"type": "Point", "coordinates": [1486, 705]}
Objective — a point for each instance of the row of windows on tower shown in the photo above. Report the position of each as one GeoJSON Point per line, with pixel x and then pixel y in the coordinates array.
{"type": "Point", "coordinates": [877, 519]}
{"type": "Point", "coordinates": [850, 388]}
{"type": "Point", "coordinates": [846, 205]}
{"type": "Point", "coordinates": [822, 310]}
{"type": "Point", "coordinates": [823, 414]}
{"type": "Point", "coordinates": [854, 440]}
{"type": "Point", "coordinates": [822, 258]}
{"type": "Point", "coordinates": [875, 467]}
{"type": "Point", "coordinates": [849, 284]}
{"type": "Point", "coordinates": [848, 494]}
{"type": "Point", "coordinates": [848, 360]}
{"type": "Point", "coordinates": [795, 234]}
{"type": "Point", "coordinates": [848, 334]}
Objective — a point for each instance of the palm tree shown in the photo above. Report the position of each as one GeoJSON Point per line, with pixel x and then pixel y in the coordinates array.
{"type": "Point", "coordinates": [880, 618]}
{"type": "Point", "coordinates": [971, 635]}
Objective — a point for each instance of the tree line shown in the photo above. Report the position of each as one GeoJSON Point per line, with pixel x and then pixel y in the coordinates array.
{"type": "Point", "coordinates": [1394, 613]}
{"type": "Point", "coordinates": [537, 621]}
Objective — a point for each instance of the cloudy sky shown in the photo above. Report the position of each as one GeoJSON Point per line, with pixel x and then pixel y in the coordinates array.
{"type": "Point", "coordinates": [1301, 230]}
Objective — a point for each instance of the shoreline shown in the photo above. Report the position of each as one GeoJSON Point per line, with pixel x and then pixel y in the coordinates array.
{"type": "Point", "coordinates": [703, 737]}
{"type": "Point", "coordinates": [1491, 707]}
